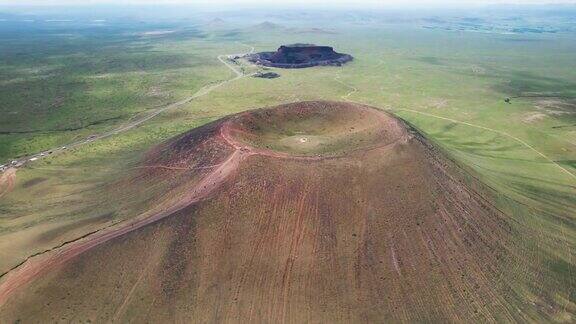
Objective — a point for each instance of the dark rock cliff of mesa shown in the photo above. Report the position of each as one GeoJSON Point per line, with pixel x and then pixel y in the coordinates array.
{"type": "Point", "coordinates": [300, 56]}
{"type": "Point", "coordinates": [320, 212]}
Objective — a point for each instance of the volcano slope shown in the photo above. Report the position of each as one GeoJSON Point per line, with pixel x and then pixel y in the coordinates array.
{"type": "Point", "coordinates": [306, 212]}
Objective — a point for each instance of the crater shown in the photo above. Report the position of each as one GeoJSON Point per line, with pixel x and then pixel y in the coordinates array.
{"type": "Point", "coordinates": [314, 128]}
{"type": "Point", "coordinates": [248, 189]}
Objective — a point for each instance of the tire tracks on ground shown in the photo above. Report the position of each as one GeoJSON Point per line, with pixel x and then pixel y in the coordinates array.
{"type": "Point", "coordinates": [499, 132]}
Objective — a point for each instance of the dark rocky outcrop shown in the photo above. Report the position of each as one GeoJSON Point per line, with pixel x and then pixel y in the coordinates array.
{"type": "Point", "coordinates": [267, 75]}
{"type": "Point", "coordinates": [300, 56]}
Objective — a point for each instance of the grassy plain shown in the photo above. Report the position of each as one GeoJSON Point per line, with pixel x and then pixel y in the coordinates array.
{"type": "Point", "coordinates": [63, 84]}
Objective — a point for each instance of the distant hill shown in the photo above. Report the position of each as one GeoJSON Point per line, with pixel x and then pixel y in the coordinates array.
{"type": "Point", "coordinates": [216, 22]}
{"type": "Point", "coordinates": [267, 25]}
{"type": "Point", "coordinates": [313, 30]}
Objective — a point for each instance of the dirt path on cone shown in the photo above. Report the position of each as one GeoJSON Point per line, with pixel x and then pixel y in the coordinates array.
{"type": "Point", "coordinates": [38, 264]}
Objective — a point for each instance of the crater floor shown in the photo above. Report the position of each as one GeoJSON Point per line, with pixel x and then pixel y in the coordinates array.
{"type": "Point", "coordinates": [314, 129]}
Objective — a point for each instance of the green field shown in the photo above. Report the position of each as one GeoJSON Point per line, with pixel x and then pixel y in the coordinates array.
{"type": "Point", "coordinates": [64, 82]}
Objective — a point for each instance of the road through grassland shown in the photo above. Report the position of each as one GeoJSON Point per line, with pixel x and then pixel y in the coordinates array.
{"type": "Point", "coordinates": [239, 74]}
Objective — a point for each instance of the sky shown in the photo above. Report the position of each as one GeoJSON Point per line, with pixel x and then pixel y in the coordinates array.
{"type": "Point", "coordinates": [354, 3]}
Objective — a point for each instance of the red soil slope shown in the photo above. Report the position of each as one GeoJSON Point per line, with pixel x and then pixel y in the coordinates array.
{"type": "Point", "coordinates": [7, 180]}
{"type": "Point", "coordinates": [372, 225]}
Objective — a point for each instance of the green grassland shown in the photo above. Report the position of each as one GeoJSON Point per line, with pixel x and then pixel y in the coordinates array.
{"type": "Point", "coordinates": [61, 85]}
{"type": "Point", "coordinates": [450, 85]}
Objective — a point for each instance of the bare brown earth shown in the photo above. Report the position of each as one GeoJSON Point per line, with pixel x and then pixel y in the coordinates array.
{"type": "Point", "coordinates": [374, 226]}
{"type": "Point", "coordinates": [7, 180]}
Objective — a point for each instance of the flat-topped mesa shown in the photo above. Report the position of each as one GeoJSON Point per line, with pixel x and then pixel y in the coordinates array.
{"type": "Point", "coordinates": [300, 56]}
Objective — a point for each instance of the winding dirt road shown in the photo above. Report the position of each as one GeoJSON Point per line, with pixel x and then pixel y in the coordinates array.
{"type": "Point", "coordinates": [37, 264]}
{"type": "Point", "coordinates": [139, 121]}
